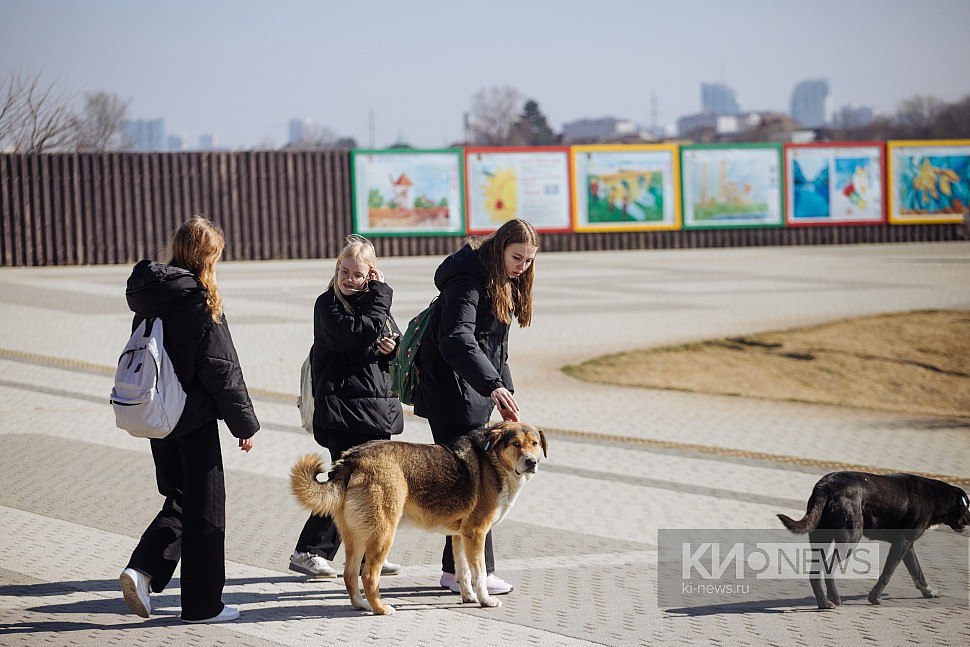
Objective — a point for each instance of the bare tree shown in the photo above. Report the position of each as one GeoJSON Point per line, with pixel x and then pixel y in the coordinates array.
{"type": "Point", "coordinates": [99, 126]}
{"type": "Point", "coordinates": [494, 114]}
{"type": "Point", "coordinates": [953, 121]}
{"type": "Point", "coordinates": [917, 116]}
{"type": "Point", "coordinates": [34, 118]}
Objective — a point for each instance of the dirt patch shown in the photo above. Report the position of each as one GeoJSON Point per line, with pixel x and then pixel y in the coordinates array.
{"type": "Point", "coordinates": [911, 362]}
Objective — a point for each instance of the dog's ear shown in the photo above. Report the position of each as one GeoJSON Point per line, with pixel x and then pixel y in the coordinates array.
{"type": "Point", "coordinates": [488, 438]}
{"type": "Point", "coordinates": [542, 441]}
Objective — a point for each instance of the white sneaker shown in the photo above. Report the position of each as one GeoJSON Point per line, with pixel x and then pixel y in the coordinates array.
{"type": "Point", "coordinates": [227, 614]}
{"type": "Point", "coordinates": [494, 584]}
{"type": "Point", "coordinates": [312, 565]}
{"type": "Point", "coordinates": [134, 588]}
{"type": "Point", "coordinates": [388, 568]}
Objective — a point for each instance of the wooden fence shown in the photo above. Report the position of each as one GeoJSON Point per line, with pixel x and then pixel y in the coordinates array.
{"type": "Point", "coordinates": [72, 209]}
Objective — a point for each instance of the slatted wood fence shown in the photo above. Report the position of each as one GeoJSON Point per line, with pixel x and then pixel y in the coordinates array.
{"type": "Point", "coordinates": [97, 208]}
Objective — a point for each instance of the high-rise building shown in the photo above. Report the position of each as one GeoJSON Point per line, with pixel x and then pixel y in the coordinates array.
{"type": "Point", "coordinates": [719, 99]}
{"type": "Point", "coordinates": [143, 135]}
{"type": "Point", "coordinates": [300, 130]}
{"type": "Point", "coordinates": [811, 105]}
{"type": "Point", "coordinates": [208, 142]}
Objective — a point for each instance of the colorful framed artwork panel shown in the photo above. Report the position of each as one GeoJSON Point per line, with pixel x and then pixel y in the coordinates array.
{"type": "Point", "coordinates": [527, 183]}
{"type": "Point", "coordinates": [408, 192]}
{"type": "Point", "coordinates": [929, 181]}
{"type": "Point", "coordinates": [625, 188]}
{"type": "Point", "coordinates": [837, 183]}
{"type": "Point", "coordinates": [731, 185]}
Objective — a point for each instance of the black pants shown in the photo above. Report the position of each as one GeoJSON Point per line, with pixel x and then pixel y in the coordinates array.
{"type": "Point", "coordinates": [320, 535]}
{"type": "Point", "coordinates": [445, 433]}
{"type": "Point", "coordinates": [191, 525]}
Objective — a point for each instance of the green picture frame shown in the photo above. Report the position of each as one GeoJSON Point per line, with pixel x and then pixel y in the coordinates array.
{"type": "Point", "coordinates": [408, 192]}
{"type": "Point", "coordinates": [732, 186]}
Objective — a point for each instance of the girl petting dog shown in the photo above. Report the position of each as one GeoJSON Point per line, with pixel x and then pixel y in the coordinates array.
{"type": "Point", "coordinates": [461, 362]}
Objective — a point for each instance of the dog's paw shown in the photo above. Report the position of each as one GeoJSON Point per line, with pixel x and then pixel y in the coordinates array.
{"type": "Point", "coordinates": [363, 605]}
{"type": "Point", "coordinates": [828, 604]}
{"type": "Point", "coordinates": [491, 603]}
{"type": "Point", "coordinates": [469, 597]}
{"type": "Point", "coordinates": [929, 592]}
{"type": "Point", "coordinates": [388, 610]}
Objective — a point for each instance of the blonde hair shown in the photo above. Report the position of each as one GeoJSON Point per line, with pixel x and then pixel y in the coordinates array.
{"type": "Point", "coordinates": [509, 296]}
{"type": "Point", "coordinates": [359, 249]}
{"type": "Point", "coordinates": [196, 247]}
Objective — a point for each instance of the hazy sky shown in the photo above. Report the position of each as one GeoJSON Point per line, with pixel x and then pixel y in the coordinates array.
{"type": "Point", "coordinates": [243, 69]}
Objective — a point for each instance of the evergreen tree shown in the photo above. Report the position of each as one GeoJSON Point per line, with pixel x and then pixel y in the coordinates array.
{"type": "Point", "coordinates": [531, 128]}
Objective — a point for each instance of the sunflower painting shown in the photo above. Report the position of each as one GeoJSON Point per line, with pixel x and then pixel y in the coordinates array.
{"type": "Point", "coordinates": [500, 194]}
{"type": "Point", "coordinates": [527, 183]}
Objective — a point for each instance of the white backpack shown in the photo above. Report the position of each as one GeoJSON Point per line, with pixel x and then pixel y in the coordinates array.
{"type": "Point", "coordinates": [147, 397]}
{"type": "Point", "coordinates": [304, 401]}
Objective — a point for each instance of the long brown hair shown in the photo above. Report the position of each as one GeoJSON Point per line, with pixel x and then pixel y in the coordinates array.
{"type": "Point", "coordinates": [196, 247]}
{"type": "Point", "coordinates": [509, 296]}
{"type": "Point", "coordinates": [358, 249]}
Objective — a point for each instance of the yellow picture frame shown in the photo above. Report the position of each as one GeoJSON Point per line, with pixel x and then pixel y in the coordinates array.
{"type": "Point", "coordinates": [929, 181]}
{"type": "Point", "coordinates": [629, 179]}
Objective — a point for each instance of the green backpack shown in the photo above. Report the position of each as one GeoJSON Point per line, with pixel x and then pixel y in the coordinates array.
{"type": "Point", "coordinates": [404, 374]}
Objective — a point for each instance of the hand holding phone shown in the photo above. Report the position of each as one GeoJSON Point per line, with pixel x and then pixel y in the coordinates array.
{"type": "Point", "coordinates": [387, 343]}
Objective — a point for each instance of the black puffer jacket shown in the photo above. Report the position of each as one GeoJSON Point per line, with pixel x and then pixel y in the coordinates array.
{"type": "Point", "coordinates": [201, 351]}
{"type": "Point", "coordinates": [463, 354]}
{"type": "Point", "coordinates": [351, 381]}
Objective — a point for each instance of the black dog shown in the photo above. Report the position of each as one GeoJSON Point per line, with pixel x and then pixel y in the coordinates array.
{"type": "Point", "coordinates": [898, 508]}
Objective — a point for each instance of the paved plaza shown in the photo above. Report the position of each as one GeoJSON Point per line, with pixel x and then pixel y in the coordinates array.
{"type": "Point", "coordinates": [580, 546]}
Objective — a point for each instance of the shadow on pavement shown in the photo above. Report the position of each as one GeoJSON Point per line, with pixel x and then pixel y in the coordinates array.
{"type": "Point", "coordinates": [261, 606]}
{"type": "Point", "coordinates": [800, 605]}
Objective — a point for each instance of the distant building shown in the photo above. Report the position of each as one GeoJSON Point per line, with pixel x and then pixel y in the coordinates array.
{"type": "Point", "coordinates": [810, 103]}
{"type": "Point", "coordinates": [747, 126]}
{"type": "Point", "coordinates": [300, 130]}
{"type": "Point", "coordinates": [589, 131]}
{"type": "Point", "coordinates": [176, 143]}
{"type": "Point", "coordinates": [719, 98]}
{"type": "Point", "coordinates": [853, 116]}
{"type": "Point", "coordinates": [208, 142]}
{"type": "Point", "coordinates": [143, 135]}
{"type": "Point", "coordinates": [710, 122]}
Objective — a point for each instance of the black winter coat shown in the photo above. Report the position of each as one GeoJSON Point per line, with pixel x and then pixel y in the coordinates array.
{"type": "Point", "coordinates": [201, 351]}
{"type": "Point", "coordinates": [463, 354]}
{"type": "Point", "coordinates": [351, 381]}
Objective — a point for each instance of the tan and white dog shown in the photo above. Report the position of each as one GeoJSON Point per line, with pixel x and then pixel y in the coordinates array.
{"type": "Point", "coordinates": [460, 491]}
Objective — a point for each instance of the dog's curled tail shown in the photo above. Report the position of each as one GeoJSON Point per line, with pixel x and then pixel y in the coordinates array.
{"type": "Point", "coordinates": [813, 512]}
{"type": "Point", "coordinates": [321, 498]}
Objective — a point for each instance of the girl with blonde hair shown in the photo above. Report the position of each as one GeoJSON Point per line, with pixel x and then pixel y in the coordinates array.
{"type": "Point", "coordinates": [354, 340]}
{"type": "Point", "coordinates": [191, 525]}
